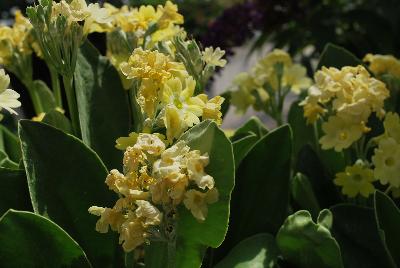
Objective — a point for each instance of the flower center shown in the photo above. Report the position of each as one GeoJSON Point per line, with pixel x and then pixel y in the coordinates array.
{"type": "Point", "coordinates": [389, 161]}
{"type": "Point", "coordinates": [357, 177]}
{"type": "Point", "coordinates": [343, 136]}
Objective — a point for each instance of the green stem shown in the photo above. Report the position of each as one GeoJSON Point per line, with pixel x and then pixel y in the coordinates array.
{"type": "Point", "coordinates": [68, 81]}
{"type": "Point", "coordinates": [55, 82]}
{"type": "Point", "coordinates": [130, 259]}
{"type": "Point", "coordinates": [316, 138]}
{"type": "Point", "coordinates": [137, 115]}
{"type": "Point", "coordinates": [171, 253]}
{"type": "Point", "coordinates": [35, 97]}
{"type": "Point", "coordinates": [387, 191]}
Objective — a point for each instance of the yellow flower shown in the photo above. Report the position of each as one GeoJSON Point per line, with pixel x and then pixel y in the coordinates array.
{"type": "Point", "coordinates": [124, 142]}
{"type": "Point", "coordinates": [182, 110]}
{"type": "Point", "coordinates": [212, 109]}
{"type": "Point", "coordinates": [242, 97]}
{"type": "Point", "coordinates": [386, 160]}
{"type": "Point", "coordinates": [339, 134]}
{"type": "Point", "coordinates": [148, 212]}
{"type": "Point", "coordinates": [214, 57]}
{"type": "Point", "coordinates": [108, 217]}
{"type": "Point", "coordinates": [39, 117]}
{"type": "Point", "coordinates": [145, 64]}
{"type": "Point", "coordinates": [356, 180]}
{"type": "Point", "coordinates": [295, 77]}
{"type": "Point", "coordinates": [195, 164]}
{"type": "Point", "coordinates": [169, 15]}
{"type": "Point", "coordinates": [276, 56]}
{"type": "Point", "coordinates": [392, 126]}
{"type": "Point", "coordinates": [197, 202]}
{"type": "Point", "coordinates": [383, 64]}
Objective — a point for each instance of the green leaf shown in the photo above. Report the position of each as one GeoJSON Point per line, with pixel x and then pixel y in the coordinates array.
{"type": "Point", "coordinates": [388, 220]}
{"type": "Point", "coordinates": [46, 96]}
{"type": "Point", "coordinates": [226, 104]}
{"type": "Point", "coordinates": [156, 255]}
{"type": "Point", "coordinates": [11, 144]}
{"type": "Point", "coordinates": [303, 194]}
{"type": "Point", "coordinates": [5, 162]}
{"type": "Point", "coordinates": [193, 237]}
{"type": "Point", "coordinates": [258, 251]}
{"type": "Point", "coordinates": [307, 244]}
{"type": "Point", "coordinates": [338, 57]}
{"type": "Point", "coordinates": [252, 125]}
{"type": "Point", "coordinates": [243, 146]}
{"type": "Point", "coordinates": [30, 240]}
{"type": "Point", "coordinates": [102, 104]}
{"type": "Point", "coordinates": [65, 178]}
{"type": "Point", "coordinates": [309, 164]}
{"type": "Point", "coordinates": [260, 198]}
{"type": "Point", "coordinates": [354, 228]}
{"type": "Point", "coordinates": [302, 133]}
{"type": "Point", "coordinates": [14, 191]}
{"type": "Point", "coordinates": [58, 120]}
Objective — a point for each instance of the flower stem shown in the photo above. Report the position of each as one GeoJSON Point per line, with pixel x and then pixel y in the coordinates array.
{"type": "Point", "coordinates": [137, 116]}
{"type": "Point", "coordinates": [68, 81]}
{"type": "Point", "coordinates": [55, 82]}
{"type": "Point", "coordinates": [35, 97]}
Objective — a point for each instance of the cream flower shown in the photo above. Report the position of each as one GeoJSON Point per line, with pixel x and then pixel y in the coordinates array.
{"type": "Point", "coordinates": [383, 64]}
{"type": "Point", "coordinates": [195, 164]}
{"type": "Point", "coordinates": [214, 57]}
{"type": "Point", "coordinates": [295, 77]}
{"type": "Point", "coordinates": [197, 202]}
{"type": "Point", "coordinates": [8, 97]}
{"type": "Point", "coordinates": [149, 213]}
{"type": "Point", "coordinates": [339, 134]}
{"type": "Point", "coordinates": [386, 160]}
{"type": "Point", "coordinates": [212, 109]}
{"type": "Point", "coordinates": [356, 180]}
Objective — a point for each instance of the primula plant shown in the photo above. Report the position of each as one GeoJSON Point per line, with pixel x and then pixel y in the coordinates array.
{"type": "Point", "coordinates": [125, 165]}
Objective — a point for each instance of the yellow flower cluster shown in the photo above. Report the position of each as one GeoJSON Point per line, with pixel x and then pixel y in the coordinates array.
{"type": "Point", "coordinates": [167, 90]}
{"type": "Point", "coordinates": [350, 95]}
{"type": "Point", "coordinates": [386, 158]}
{"type": "Point", "coordinates": [16, 39]}
{"type": "Point", "coordinates": [274, 72]}
{"type": "Point", "coordinates": [383, 64]}
{"type": "Point", "coordinates": [155, 177]}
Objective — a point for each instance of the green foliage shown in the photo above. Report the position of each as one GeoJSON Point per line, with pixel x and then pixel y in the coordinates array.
{"type": "Point", "coordinates": [30, 240]}
{"type": "Point", "coordinates": [338, 57]}
{"type": "Point", "coordinates": [355, 229]}
{"type": "Point", "coordinates": [14, 191]}
{"type": "Point", "coordinates": [58, 120]}
{"type": "Point", "coordinates": [388, 219]}
{"type": "Point", "coordinates": [65, 178]}
{"type": "Point", "coordinates": [102, 104]}
{"type": "Point", "coordinates": [45, 95]}
{"type": "Point", "coordinates": [266, 167]}
{"type": "Point", "coordinates": [308, 244]}
{"type": "Point", "coordinates": [303, 194]}
{"type": "Point", "coordinates": [258, 251]}
{"type": "Point", "coordinates": [192, 236]}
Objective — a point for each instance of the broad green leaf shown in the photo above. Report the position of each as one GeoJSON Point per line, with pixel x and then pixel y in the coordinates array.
{"type": "Point", "coordinates": [102, 104]}
{"type": "Point", "coordinates": [243, 146]}
{"type": "Point", "coordinates": [388, 220]}
{"type": "Point", "coordinates": [193, 237]}
{"type": "Point", "coordinates": [226, 104]}
{"type": "Point", "coordinates": [355, 230]}
{"type": "Point", "coordinates": [65, 178]}
{"type": "Point", "coordinates": [11, 144]}
{"type": "Point", "coordinates": [338, 57]}
{"type": "Point", "coordinates": [14, 191]}
{"type": "Point", "coordinates": [307, 244]}
{"type": "Point", "coordinates": [309, 164]}
{"type": "Point", "coordinates": [156, 255]}
{"type": "Point", "coordinates": [45, 96]}
{"type": "Point", "coordinates": [260, 198]}
{"type": "Point", "coordinates": [58, 120]}
{"type": "Point", "coordinates": [303, 194]}
{"type": "Point", "coordinates": [30, 240]}
{"type": "Point", "coordinates": [258, 251]}
{"type": "Point", "coordinates": [252, 125]}
{"type": "Point", "coordinates": [302, 133]}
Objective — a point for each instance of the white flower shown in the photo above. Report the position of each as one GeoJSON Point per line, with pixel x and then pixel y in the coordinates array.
{"type": "Point", "coordinates": [8, 97]}
{"type": "Point", "coordinates": [214, 57]}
